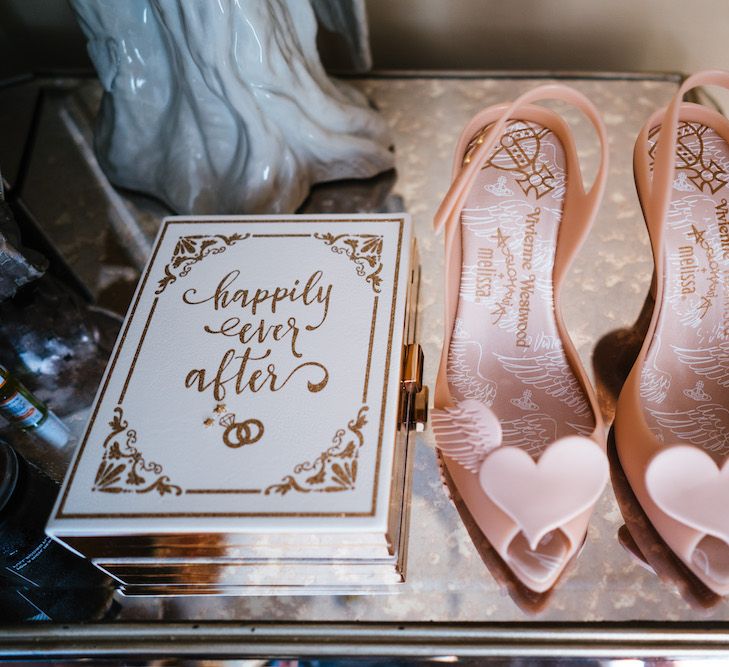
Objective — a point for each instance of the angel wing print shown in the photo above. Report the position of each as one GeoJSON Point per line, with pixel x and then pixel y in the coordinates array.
{"type": "Point", "coordinates": [466, 432]}
{"type": "Point", "coordinates": [531, 432]}
{"type": "Point", "coordinates": [710, 362]}
{"type": "Point", "coordinates": [551, 373]}
{"type": "Point", "coordinates": [706, 426]}
{"type": "Point", "coordinates": [464, 376]}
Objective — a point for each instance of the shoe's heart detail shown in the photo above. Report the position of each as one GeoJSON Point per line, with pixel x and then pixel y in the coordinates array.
{"type": "Point", "coordinates": [688, 486]}
{"type": "Point", "coordinates": [544, 495]}
{"type": "Point", "coordinates": [466, 432]}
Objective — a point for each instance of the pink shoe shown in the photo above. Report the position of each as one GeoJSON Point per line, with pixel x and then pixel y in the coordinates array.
{"type": "Point", "coordinates": [515, 420]}
{"type": "Point", "coordinates": [672, 416]}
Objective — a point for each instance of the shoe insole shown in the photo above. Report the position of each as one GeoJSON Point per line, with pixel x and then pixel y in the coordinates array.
{"type": "Point", "coordinates": [685, 378]}
{"type": "Point", "coordinates": [505, 348]}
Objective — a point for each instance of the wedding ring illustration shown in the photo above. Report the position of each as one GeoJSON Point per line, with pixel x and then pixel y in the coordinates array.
{"type": "Point", "coordinates": [239, 434]}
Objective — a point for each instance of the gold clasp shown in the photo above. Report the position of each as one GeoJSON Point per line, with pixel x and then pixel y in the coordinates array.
{"type": "Point", "coordinates": [415, 395]}
{"type": "Point", "coordinates": [412, 374]}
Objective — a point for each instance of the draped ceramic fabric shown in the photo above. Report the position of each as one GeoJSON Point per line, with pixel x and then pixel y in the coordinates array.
{"type": "Point", "coordinates": [223, 106]}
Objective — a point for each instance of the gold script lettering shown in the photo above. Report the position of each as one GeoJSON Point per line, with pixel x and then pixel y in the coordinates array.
{"type": "Point", "coordinates": [254, 381]}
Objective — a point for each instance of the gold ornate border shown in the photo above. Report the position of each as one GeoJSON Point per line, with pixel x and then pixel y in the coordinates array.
{"type": "Point", "coordinates": [335, 468]}
{"type": "Point", "coordinates": [343, 474]}
{"type": "Point", "coordinates": [123, 468]}
{"type": "Point", "coordinates": [189, 250]}
{"type": "Point", "coordinates": [373, 279]}
{"type": "Point", "coordinates": [365, 250]}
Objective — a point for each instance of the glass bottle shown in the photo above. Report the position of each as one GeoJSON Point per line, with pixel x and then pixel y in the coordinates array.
{"type": "Point", "coordinates": [25, 411]}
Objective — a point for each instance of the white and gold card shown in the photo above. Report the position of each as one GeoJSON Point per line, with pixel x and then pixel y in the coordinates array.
{"type": "Point", "coordinates": [254, 387]}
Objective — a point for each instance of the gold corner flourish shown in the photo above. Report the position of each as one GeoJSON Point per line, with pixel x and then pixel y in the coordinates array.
{"type": "Point", "coordinates": [335, 469]}
{"type": "Point", "coordinates": [189, 250]}
{"type": "Point", "coordinates": [123, 468]}
{"type": "Point", "coordinates": [364, 250]}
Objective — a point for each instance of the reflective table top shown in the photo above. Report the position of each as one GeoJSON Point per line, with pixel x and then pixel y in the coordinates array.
{"type": "Point", "coordinates": [451, 578]}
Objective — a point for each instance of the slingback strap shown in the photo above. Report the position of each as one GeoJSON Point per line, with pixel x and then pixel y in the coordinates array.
{"type": "Point", "coordinates": [449, 212]}
{"type": "Point", "coordinates": [659, 189]}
